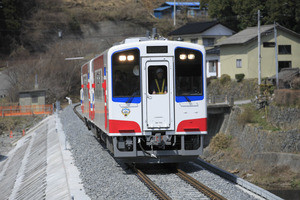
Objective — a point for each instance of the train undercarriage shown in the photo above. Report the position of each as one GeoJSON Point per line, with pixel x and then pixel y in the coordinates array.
{"type": "Point", "coordinates": [155, 148]}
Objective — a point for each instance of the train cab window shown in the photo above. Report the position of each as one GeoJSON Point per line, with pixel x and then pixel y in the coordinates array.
{"type": "Point", "coordinates": [126, 75]}
{"type": "Point", "coordinates": [157, 79]}
{"type": "Point", "coordinates": [189, 74]}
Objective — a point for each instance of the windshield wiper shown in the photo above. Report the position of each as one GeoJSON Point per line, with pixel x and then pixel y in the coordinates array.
{"type": "Point", "coordinates": [187, 98]}
{"type": "Point", "coordinates": [129, 100]}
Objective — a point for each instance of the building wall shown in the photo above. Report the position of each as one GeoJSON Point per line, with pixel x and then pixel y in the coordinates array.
{"type": "Point", "coordinates": [218, 70]}
{"type": "Point", "coordinates": [228, 56]}
{"type": "Point", "coordinates": [218, 29]}
{"type": "Point", "coordinates": [249, 55]}
{"type": "Point", "coordinates": [25, 100]}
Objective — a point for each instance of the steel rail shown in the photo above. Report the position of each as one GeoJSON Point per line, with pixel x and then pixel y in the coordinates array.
{"type": "Point", "coordinates": [199, 186]}
{"type": "Point", "coordinates": [77, 113]}
{"type": "Point", "coordinates": [159, 193]}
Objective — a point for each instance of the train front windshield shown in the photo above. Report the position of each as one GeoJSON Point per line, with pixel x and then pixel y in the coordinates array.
{"type": "Point", "coordinates": [189, 74]}
{"type": "Point", "coordinates": [126, 75]}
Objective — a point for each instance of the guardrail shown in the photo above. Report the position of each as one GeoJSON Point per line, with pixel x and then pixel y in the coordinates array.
{"type": "Point", "coordinates": [25, 110]}
{"type": "Point", "coordinates": [215, 99]}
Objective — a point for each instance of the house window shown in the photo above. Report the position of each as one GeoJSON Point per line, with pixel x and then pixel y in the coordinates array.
{"type": "Point", "coordinates": [194, 40]}
{"type": "Point", "coordinates": [203, 13]}
{"type": "Point", "coordinates": [212, 66]}
{"type": "Point", "coordinates": [284, 49]}
{"type": "Point", "coordinates": [34, 99]}
{"type": "Point", "coordinates": [284, 64]}
{"type": "Point", "coordinates": [238, 63]}
{"type": "Point", "coordinates": [191, 13]}
{"type": "Point", "coordinates": [208, 42]}
{"type": "Point", "coordinates": [268, 44]}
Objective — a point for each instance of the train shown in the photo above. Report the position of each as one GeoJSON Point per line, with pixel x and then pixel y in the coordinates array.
{"type": "Point", "coordinates": [145, 98]}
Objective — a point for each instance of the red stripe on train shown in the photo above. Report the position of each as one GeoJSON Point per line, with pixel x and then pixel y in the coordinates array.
{"type": "Point", "coordinates": [192, 125]}
{"type": "Point", "coordinates": [120, 126]}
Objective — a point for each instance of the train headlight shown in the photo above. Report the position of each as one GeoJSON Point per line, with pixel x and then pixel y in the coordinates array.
{"type": "Point", "coordinates": [130, 57]}
{"type": "Point", "coordinates": [191, 56]}
{"type": "Point", "coordinates": [182, 56]}
{"type": "Point", "coordinates": [122, 58]}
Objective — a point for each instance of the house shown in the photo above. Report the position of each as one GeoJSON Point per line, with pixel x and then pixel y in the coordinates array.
{"type": "Point", "coordinates": [32, 97]}
{"type": "Point", "coordinates": [192, 9]}
{"type": "Point", "coordinates": [239, 53]}
{"type": "Point", "coordinates": [207, 34]}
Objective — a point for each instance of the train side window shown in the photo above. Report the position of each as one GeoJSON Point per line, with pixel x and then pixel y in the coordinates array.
{"type": "Point", "coordinates": [126, 74]}
{"type": "Point", "coordinates": [157, 79]}
{"type": "Point", "coordinates": [99, 89]}
{"type": "Point", "coordinates": [189, 72]}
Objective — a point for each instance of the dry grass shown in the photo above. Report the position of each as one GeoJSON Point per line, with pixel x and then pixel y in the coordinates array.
{"type": "Point", "coordinates": [286, 97]}
{"type": "Point", "coordinates": [247, 115]}
{"type": "Point", "coordinates": [17, 123]}
{"type": "Point", "coordinates": [220, 141]}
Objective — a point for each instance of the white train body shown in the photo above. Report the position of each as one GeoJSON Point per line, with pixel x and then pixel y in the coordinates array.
{"type": "Point", "coordinates": [143, 117]}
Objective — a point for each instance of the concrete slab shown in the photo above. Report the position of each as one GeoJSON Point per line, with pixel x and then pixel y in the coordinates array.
{"type": "Point", "coordinates": [40, 166]}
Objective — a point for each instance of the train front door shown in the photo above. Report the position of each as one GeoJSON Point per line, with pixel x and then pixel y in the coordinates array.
{"type": "Point", "coordinates": [158, 113]}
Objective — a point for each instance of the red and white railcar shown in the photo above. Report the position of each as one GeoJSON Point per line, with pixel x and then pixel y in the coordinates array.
{"type": "Point", "coordinates": [143, 116]}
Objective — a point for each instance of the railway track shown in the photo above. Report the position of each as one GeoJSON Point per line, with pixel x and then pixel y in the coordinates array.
{"type": "Point", "coordinates": [199, 186]}
{"type": "Point", "coordinates": [160, 194]}
{"type": "Point", "coordinates": [167, 182]}
{"type": "Point", "coordinates": [157, 191]}
{"type": "Point", "coordinates": [77, 113]}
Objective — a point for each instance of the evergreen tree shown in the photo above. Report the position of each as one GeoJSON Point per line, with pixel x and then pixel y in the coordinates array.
{"type": "Point", "coordinates": [286, 13]}
{"type": "Point", "coordinates": [240, 14]}
{"type": "Point", "coordinates": [223, 11]}
{"type": "Point", "coordinates": [247, 12]}
{"type": "Point", "coordinates": [12, 13]}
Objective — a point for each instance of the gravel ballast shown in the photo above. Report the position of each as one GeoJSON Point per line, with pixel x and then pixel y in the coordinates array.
{"type": "Point", "coordinates": [104, 178]}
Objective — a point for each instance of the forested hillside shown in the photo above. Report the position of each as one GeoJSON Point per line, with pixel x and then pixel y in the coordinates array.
{"type": "Point", "coordinates": [32, 22]}
{"type": "Point", "coordinates": [30, 43]}
{"type": "Point", "coordinates": [239, 14]}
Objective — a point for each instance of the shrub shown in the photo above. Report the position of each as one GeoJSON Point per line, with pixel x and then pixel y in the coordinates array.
{"type": "Point", "coordinates": [220, 142]}
{"type": "Point", "coordinates": [295, 84]}
{"type": "Point", "coordinates": [225, 78]}
{"type": "Point", "coordinates": [248, 115]}
{"type": "Point", "coordinates": [267, 89]}
{"type": "Point", "coordinates": [239, 77]}
{"type": "Point", "coordinates": [209, 79]}
{"type": "Point", "coordinates": [74, 25]}
{"type": "Point", "coordinates": [286, 97]}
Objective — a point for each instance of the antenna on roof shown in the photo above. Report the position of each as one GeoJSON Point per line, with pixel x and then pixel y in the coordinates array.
{"type": "Point", "coordinates": [155, 36]}
{"type": "Point", "coordinates": [148, 34]}
{"type": "Point", "coordinates": [36, 85]}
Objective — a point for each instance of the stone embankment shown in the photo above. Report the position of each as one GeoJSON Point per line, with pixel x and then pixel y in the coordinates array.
{"type": "Point", "coordinates": [254, 150]}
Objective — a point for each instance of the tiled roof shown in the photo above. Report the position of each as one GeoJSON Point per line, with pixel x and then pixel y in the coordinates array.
{"type": "Point", "coordinates": [213, 51]}
{"type": "Point", "coordinates": [286, 74]}
{"type": "Point", "coordinates": [183, 3]}
{"type": "Point", "coordinates": [192, 28]}
{"type": "Point", "coordinates": [162, 8]}
{"type": "Point", "coordinates": [250, 34]}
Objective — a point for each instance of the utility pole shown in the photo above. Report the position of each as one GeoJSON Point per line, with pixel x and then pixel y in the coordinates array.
{"type": "Point", "coordinates": [276, 55]}
{"type": "Point", "coordinates": [174, 15]}
{"type": "Point", "coordinates": [259, 54]}
{"type": "Point", "coordinates": [60, 37]}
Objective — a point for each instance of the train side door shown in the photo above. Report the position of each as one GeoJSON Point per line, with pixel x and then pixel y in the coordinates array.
{"type": "Point", "coordinates": [158, 113]}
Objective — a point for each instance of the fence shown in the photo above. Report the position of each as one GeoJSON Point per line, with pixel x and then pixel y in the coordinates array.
{"type": "Point", "coordinates": [219, 99]}
{"type": "Point", "coordinates": [15, 110]}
